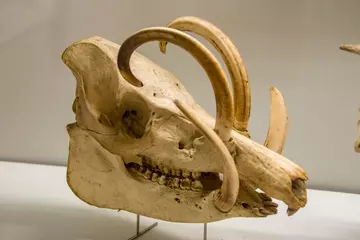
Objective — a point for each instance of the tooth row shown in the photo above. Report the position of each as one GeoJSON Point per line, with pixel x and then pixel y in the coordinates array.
{"type": "Point", "coordinates": [173, 172]}
{"type": "Point", "coordinates": [171, 181]}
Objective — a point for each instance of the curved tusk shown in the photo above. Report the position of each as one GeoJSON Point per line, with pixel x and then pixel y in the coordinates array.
{"type": "Point", "coordinates": [225, 198]}
{"type": "Point", "coordinates": [277, 131]}
{"type": "Point", "coordinates": [224, 104]}
{"type": "Point", "coordinates": [276, 137]}
{"type": "Point", "coordinates": [353, 48]}
{"type": "Point", "coordinates": [232, 59]}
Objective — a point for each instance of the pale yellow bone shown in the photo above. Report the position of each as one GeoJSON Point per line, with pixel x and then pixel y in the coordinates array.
{"type": "Point", "coordinates": [102, 151]}
{"type": "Point", "coordinates": [353, 48]}
{"type": "Point", "coordinates": [276, 137]}
{"type": "Point", "coordinates": [226, 197]}
{"type": "Point", "coordinates": [277, 131]}
{"type": "Point", "coordinates": [357, 141]}
{"type": "Point", "coordinates": [232, 59]}
{"type": "Point", "coordinates": [229, 190]}
{"type": "Point", "coordinates": [224, 104]}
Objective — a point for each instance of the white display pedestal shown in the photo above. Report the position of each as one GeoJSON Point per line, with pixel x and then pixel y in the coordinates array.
{"type": "Point", "coordinates": [37, 204]}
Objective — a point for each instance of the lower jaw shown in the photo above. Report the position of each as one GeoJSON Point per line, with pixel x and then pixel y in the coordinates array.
{"type": "Point", "coordinates": [125, 190]}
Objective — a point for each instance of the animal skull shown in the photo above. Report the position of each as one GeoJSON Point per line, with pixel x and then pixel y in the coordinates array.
{"type": "Point", "coordinates": [141, 143]}
{"type": "Point", "coordinates": [353, 48]}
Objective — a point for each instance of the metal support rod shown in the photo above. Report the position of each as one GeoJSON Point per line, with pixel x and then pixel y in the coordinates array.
{"type": "Point", "coordinates": [140, 233]}
{"type": "Point", "coordinates": [137, 224]}
{"type": "Point", "coordinates": [205, 231]}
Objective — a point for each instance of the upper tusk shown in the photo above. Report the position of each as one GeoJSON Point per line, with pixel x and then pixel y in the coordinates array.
{"type": "Point", "coordinates": [277, 132]}
{"type": "Point", "coordinates": [353, 48]}
{"type": "Point", "coordinates": [232, 59]}
{"type": "Point", "coordinates": [225, 199]}
{"type": "Point", "coordinates": [224, 103]}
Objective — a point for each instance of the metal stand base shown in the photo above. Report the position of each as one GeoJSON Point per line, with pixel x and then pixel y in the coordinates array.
{"type": "Point", "coordinates": [142, 232]}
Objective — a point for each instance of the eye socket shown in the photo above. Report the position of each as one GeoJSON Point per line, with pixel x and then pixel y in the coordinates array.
{"type": "Point", "coordinates": [133, 124]}
{"type": "Point", "coordinates": [135, 115]}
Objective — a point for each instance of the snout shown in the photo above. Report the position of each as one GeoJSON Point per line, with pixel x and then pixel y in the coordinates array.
{"type": "Point", "coordinates": [274, 174]}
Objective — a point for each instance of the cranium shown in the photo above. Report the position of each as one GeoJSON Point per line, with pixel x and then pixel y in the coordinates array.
{"type": "Point", "coordinates": [353, 48]}
{"type": "Point", "coordinates": [142, 144]}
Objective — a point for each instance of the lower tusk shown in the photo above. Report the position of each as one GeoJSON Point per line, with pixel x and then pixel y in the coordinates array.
{"type": "Point", "coordinates": [275, 139]}
{"type": "Point", "coordinates": [225, 198]}
{"type": "Point", "coordinates": [217, 77]}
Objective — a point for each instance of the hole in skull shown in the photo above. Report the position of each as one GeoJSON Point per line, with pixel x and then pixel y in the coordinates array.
{"type": "Point", "coordinates": [135, 115]}
{"type": "Point", "coordinates": [177, 200]}
{"type": "Point", "coordinates": [245, 205]}
{"type": "Point", "coordinates": [181, 145]}
{"type": "Point", "coordinates": [133, 123]}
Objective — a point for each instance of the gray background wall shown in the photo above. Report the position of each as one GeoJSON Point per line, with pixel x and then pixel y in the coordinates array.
{"type": "Point", "coordinates": [292, 45]}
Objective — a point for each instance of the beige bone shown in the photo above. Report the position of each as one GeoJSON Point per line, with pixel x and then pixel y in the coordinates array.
{"type": "Point", "coordinates": [142, 144]}
{"type": "Point", "coordinates": [354, 48]}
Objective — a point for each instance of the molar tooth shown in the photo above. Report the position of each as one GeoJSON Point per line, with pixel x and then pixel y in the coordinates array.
{"type": "Point", "coordinates": [176, 182]}
{"type": "Point", "coordinates": [196, 175]}
{"type": "Point", "coordinates": [196, 185]}
{"type": "Point", "coordinates": [166, 170]}
{"type": "Point", "coordinates": [173, 172]}
{"type": "Point", "coordinates": [148, 174]}
{"type": "Point", "coordinates": [142, 169]}
{"type": "Point", "coordinates": [162, 180]}
{"type": "Point", "coordinates": [155, 177]}
{"type": "Point", "coordinates": [156, 168]}
{"type": "Point", "coordinates": [169, 182]}
{"type": "Point", "coordinates": [186, 173]}
{"type": "Point", "coordinates": [185, 184]}
{"type": "Point", "coordinates": [178, 172]}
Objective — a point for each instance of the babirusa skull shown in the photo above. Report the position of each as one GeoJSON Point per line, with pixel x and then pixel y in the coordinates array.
{"type": "Point", "coordinates": [142, 144]}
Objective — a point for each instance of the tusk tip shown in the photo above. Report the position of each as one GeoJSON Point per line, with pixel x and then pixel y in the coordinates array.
{"type": "Point", "coordinates": [162, 46]}
{"type": "Point", "coordinates": [291, 211]}
{"type": "Point", "coordinates": [352, 48]}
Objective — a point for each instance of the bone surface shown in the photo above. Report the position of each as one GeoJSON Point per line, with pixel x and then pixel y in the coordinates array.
{"type": "Point", "coordinates": [354, 48]}
{"type": "Point", "coordinates": [142, 144]}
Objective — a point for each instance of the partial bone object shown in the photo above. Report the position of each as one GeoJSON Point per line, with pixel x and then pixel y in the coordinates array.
{"type": "Point", "coordinates": [354, 48]}
{"type": "Point", "coordinates": [357, 141]}
{"type": "Point", "coordinates": [142, 144]}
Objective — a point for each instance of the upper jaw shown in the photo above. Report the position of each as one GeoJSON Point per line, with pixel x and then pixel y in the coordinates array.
{"type": "Point", "coordinates": [271, 172]}
{"type": "Point", "coordinates": [274, 174]}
